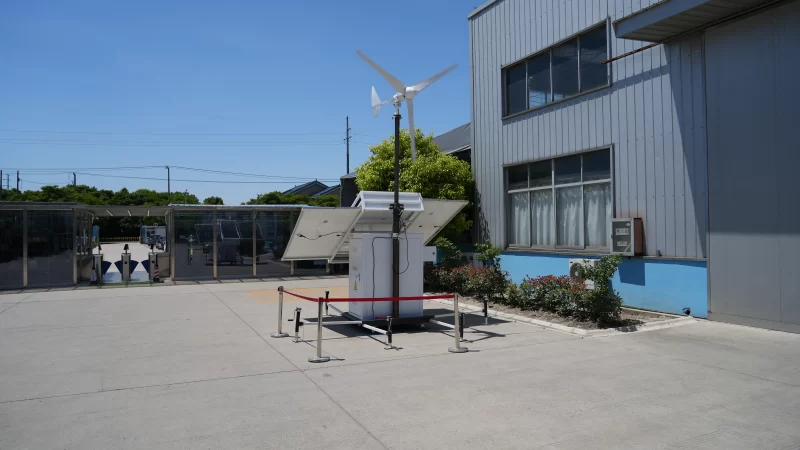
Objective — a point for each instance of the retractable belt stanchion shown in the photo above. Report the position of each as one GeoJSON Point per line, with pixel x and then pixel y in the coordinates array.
{"type": "Point", "coordinates": [461, 321]}
{"type": "Point", "coordinates": [457, 348]}
{"type": "Point", "coordinates": [280, 333]}
{"type": "Point", "coordinates": [327, 293]}
{"type": "Point", "coordinates": [319, 358]}
{"type": "Point", "coordinates": [457, 326]}
{"type": "Point", "coordinates": [297, 324]}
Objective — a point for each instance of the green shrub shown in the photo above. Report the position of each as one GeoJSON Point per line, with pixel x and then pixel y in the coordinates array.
{"type": "Point", "coordinates": [451, 255]}
{"type": "Point", "coordinates": [431, 278]}
{"type": "Point", "coordinates": [456, 279]}
{"type": "Point", "coordinates": [488, 254]}
{"type": "Point", "coordinates": [487, 283]}
{"type": "Point", "coordinates": [601, 304]}
{"type": "Point", "coordinates": [569, 297]}
{"type": "Point", "coordinates": [515, 297]}
{"type": "Point", "coordinates": [553, 294]}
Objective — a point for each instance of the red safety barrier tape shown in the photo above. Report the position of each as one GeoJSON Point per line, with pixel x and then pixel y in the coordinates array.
{"type": "Point", "coordinates": [299, 296]}
{"type": "Point", "coordinates": [373, 299]}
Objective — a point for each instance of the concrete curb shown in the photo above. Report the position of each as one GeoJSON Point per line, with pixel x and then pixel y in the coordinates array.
{"type": "Point", "coordinates": [650, 326]}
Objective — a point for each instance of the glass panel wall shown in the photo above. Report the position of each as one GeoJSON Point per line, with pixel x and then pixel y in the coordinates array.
{"type": "Point", "coordinates": [83, 244]}
{"type": "Point", "coordinates": [50, 247]}
{"type": "Point", "coordinates": [276, 228]}
{"type": "Point", "coordinates": [235, 244]}
{"type": "Point", "coordinates": [10, 249]}
{"type": "Point", "coordinates": [193, 245]}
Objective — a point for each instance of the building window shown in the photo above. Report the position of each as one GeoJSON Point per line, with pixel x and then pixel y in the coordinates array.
{"type": "Point", "coordinates": [559, 72]}
{"type": "Point", "coordinates": [563, 202]}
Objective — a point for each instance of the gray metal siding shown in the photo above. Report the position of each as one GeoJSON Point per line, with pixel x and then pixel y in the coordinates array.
{"type": "Point", "coordinates": [653, 116]}
{"type": "Point", "coordinates": [753, 160]}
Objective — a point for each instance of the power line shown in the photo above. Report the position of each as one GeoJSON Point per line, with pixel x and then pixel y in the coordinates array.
{"type": "Point", "coordinates": [85, 170]}
{"type": "Point", "coordinates": [70, 169]}
{"type": "Point", "coordinates": [222, 172]}
{"type": "Point", "coordinates": [201, 181]}
{"type": "Point", "coordinates": [42, 184]}
{"type": "Point", "coordinates": [139, 133]}
{"type": "Point", "coordinates": [176, 144]}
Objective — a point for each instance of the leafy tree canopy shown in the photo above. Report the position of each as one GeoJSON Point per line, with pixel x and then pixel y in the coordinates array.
{"type": "Point", "coordinates": [90, 195]}
{"type": "Point", "coordinates": [279, 198]}
{"type": "Point", "coordinates": [434, 174]}
{"type": "Point", "coordinates": [213, 200]}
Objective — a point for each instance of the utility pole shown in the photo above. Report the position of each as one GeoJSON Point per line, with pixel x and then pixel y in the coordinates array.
{"type": "Point", "coordinates": [347, 140]}
{"type": "Point", "coordinates": [1, 184]}
{"type": "Point", "coordinates": [18, 180]}
{"type": "Point", "coordinates": [74, 179]}
{"type": "Point", "coordinates": [169, 192]}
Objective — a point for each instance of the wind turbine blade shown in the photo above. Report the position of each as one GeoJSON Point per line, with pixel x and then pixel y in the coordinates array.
{"type": "Point", "coordinates": [423, 84]}
{"type": "Point", "coordinates": [411, 130]}
{"type": "Point", "coordinates": [396, 84]}
{"type": "Point", "coordinates": [376, 103]}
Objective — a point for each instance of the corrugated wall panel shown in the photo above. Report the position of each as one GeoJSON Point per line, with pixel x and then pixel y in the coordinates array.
{"type": "Point", "coordinates": [653, 116]}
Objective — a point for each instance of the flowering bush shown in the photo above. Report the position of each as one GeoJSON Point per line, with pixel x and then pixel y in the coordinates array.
{"type": "Point", "coordinates": [562, 295]}
{"type": "Point", "coordinates": [487, 283]}
{"type": "Point", "coordinates": [457, 279]}
{"type": "Point", "coordinates": [515, 296]}
{"type": "Point", "coordinates": [554, 294]}
{"type": "Point", "coordinates": [569, 297]}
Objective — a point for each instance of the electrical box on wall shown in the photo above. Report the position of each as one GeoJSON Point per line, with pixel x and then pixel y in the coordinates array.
{"type": "Point", "coordinates": [627, 237]}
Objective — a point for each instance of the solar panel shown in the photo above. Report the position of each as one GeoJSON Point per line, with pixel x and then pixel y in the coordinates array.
{"type": "Point", "coordinates": [324, 233]}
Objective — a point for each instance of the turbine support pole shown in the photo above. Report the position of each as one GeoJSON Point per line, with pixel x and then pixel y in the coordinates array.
{"type": "Point", "coordinates": [397, 211]}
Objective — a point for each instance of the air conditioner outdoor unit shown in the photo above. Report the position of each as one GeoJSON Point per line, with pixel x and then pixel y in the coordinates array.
{"type": "Point", "coordinates": [573, 265]}
{"type": "Point", "coordinates": [473, 260]}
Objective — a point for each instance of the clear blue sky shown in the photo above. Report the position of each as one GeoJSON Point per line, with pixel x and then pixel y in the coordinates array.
{"type": "Point", "coordinates": [253, 86]}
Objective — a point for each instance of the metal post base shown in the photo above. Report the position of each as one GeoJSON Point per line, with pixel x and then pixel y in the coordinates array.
{"type": "Point", "coordinates": [458, 349]}
{"type": "Point", "coordinates": [318, 359]}
{"type": "Point", "coordinates": [279, 335]}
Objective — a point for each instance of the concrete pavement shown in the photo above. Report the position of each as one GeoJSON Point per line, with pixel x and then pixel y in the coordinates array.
{"type": "Point", "coordinates": [193, 366]}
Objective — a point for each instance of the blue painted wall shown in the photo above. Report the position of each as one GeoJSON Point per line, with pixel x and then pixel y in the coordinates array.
{"type": "Point", "coordinates": [659, 285]}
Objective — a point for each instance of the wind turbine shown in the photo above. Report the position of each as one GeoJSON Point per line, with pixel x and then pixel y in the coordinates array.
{"type": "Point", "coordinates": [404, 93]}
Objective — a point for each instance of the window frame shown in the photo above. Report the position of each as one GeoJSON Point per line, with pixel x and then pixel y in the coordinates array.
{"type": "Point", "coordinates": [553, 188]}
{"type": "Point", "coordinates": [549, 50]}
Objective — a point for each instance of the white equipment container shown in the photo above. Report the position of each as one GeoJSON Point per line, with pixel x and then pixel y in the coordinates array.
{"type": "Point", "coordinates": [371, 274]}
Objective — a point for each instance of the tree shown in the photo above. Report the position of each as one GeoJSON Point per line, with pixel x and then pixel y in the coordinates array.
{"type": "Point", "coordinates": [434, 175]}
{"type": "Point", "coordinates": [89, 195]}
{"type": "Point", "coordinates": [279, 198]}
{"type": "Point", "coordinates": [213, 200]}
{"type": "Point", "coordinates": [325, 200]}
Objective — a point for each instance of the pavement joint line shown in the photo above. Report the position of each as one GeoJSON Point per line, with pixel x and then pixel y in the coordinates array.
{"type": "Point", "coordinates": [102, 298]}
{"type": "Point", "coordinates": [403, 358]}
{"type": "Point", "coordinates": [356, 421]}
{"type": "Point", "coordinates": [710, 366]}
{"type": "Point", "coordinates": [737, 372]}
{"type": "Point", "coordinates": [178, 383]}
{"type": "Point", "coordinates": [119, 324]}
{"type": "Point", "coordinates": [15, 304]}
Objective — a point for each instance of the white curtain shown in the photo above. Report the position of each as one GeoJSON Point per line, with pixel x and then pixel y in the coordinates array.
{"type": "Point", "coordinates": [597, 206]}
{"type": "Point", "coordinates": [542, 217]}
{"type": "Point", "coordinates": [520, 220]}
{"type": "Point", "coordinates": [568, 216]}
